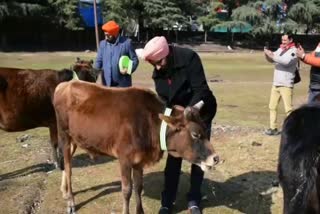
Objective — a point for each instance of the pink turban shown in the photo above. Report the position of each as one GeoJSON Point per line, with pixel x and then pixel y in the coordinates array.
{"type": "Point", "coordinates": [156, 49]}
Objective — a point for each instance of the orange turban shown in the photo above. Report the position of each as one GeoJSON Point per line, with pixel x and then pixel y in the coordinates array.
{"type": "Point", "coordinates": [111, 27]}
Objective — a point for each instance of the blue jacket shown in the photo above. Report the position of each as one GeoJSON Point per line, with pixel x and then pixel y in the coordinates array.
{"type": "Point", "coordinates": [108, 58]}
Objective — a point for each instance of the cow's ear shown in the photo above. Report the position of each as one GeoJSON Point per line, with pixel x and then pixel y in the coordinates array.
{"type": "Point", "coordinates": [172, 122]}
{"type": "Point", "coordinates": [191, 113]}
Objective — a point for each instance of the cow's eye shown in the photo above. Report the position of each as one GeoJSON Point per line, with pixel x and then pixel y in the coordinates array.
{"type": "Point", "coordinates": [195, 135]}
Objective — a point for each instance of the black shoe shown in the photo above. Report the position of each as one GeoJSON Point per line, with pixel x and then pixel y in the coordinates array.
{"type": "Point", "coordinates": [164, 210]}
{"type": "Point", "coordinates": [194, 210]}
{"type": "Point", "coordinates": [272, 132]}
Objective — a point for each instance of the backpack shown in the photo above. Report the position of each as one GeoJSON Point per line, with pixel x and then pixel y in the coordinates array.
{"type": "Point", "coordinates": [297, 77]}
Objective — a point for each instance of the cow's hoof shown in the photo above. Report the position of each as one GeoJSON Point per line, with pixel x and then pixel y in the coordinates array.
{"type": "Point", "coordinates": [71, 210]}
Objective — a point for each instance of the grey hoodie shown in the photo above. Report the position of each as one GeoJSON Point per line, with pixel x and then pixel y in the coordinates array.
{"type": "Point", "coordinates": [285, 67]}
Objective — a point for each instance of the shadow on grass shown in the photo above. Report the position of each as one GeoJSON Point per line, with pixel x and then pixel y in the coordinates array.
{"type": "Point", "coordinates": [83, 160]}
{"type": "Point", "coordinates": [242, 193]}
{"type": "Point", "coordinates": [43, 167]}
{"type": "Point", "coordinates": [246, 193]}
{"type": "Point", "coordinates": [111, 187]}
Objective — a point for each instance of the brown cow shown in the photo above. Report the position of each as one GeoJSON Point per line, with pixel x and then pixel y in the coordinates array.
{"type": "Point", "coordinates": [125, 123]}
{"type": "Point", "coordinates": [85, 70]}
{"type": "Point", "coordinates": [26, 99]}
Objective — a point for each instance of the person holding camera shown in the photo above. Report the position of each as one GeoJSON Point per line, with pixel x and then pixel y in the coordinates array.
{"type": "Point", "coordinates": [285, 61]}
{"type": "Point", "coordinates": [312, 59]}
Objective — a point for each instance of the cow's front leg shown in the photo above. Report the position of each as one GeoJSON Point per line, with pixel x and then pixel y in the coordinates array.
{"type": "Point", "coordinates": [138, 186]}
{"type": "Point", "coordinates": [126, 185]}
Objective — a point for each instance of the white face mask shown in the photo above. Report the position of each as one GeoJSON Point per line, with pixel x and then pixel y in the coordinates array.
{"type": "Point", "coordinates": [318, 49]}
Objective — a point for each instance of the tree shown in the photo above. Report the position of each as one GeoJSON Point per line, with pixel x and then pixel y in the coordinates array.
{"type": "Point", "coordinates": [66, 13]}
{"type": "Point", "coordinates": [163, 14]}
{"type": "Point", "coordinates": [23, 13]}
{"type": "Point", "coordinates": [265, 17]}
{"type": "Point", "coordinates": [23, 8]}
{"type": "Point", "coordinates": [232, 4]}
{"type": "Point", "coordinates": [59, 12]}
{"type": "Point", "coordinates": [305, 13]}
{"type": "Point", "coordinates": [130, 20]}
{"type": "Point", "coordinates": [208, 23]}
{"type": "Point", "coordinates": [249, 14]}
{"type": "Point", "coordinates": [208, 15]}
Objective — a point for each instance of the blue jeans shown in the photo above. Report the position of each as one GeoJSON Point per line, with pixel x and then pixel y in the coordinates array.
{"type": "Point", "coordinates": [171, 180]}
{"type": "Point", "coordinates": [312, 98]}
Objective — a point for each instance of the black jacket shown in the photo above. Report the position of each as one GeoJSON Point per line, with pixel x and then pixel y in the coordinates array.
{"type": "Point", "coordinates": [184, 82]}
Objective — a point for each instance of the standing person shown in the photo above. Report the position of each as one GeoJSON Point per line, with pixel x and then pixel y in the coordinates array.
{"type": "Point", "coordinates": [312, 59]}
{"type": "Point", "coordinates": [109, 54]}
{"type": "Point", "coordinates": [180, 80]}
{"type": "Point", "coordinates": [285, 60]}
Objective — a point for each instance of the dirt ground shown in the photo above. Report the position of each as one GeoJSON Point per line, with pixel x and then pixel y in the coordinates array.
{"type": "Point", "coordinates": [243, 182]}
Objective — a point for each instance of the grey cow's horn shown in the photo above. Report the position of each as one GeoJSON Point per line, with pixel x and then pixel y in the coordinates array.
{"type": "Point", "coordinates": [199, 105]}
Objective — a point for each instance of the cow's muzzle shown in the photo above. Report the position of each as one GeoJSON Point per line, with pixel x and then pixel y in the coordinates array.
{"type": "Point", "coordinates": [210, 162]}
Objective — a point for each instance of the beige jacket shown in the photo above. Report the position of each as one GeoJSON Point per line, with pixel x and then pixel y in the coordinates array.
{"type": "Point", "coordinates": [285, 67]}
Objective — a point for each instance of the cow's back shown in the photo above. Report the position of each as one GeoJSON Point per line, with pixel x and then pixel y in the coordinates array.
{"type": "Point", "coordinates": [299, 160]}
{"type": "Point", "coordinates": [103, 120]}
{"type": "Point", "coordinates": [26, 97]}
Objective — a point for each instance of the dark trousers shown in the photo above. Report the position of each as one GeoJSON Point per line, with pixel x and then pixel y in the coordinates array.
{"type": "Point", "coordinates": [314, 96]}
{"type": "Point", "coordinates": [171, 180]}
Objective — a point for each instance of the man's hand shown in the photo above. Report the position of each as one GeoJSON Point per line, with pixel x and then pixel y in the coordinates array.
{"type": "Point", "coordinates": [300, 52]}
{"type": "Point", "coordinates": [268, 53]}
{"type": "Point", "coordinates": [124, 71]}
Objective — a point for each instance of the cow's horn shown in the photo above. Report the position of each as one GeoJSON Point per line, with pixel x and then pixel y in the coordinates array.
{"type": "Point", "coordinates": [199, 105]}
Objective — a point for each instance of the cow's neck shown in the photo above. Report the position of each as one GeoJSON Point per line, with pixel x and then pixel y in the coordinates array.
{"type": "Point", "coordinates": [165, 132]}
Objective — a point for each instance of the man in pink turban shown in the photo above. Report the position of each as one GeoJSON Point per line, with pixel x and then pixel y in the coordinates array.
{"type": "Point", "coordinates": [180, 80]}
{"type": "Point", "coordinates": [156, 49]}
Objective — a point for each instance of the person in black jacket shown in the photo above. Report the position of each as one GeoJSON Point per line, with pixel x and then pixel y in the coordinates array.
{"type": "Point", "coordinates": [180, 80]}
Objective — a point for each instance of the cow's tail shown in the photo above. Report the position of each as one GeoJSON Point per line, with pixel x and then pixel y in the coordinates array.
{"type": "Point", "coordinates": [3, 83]}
